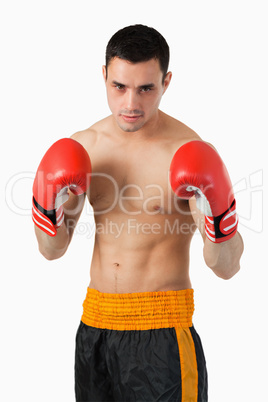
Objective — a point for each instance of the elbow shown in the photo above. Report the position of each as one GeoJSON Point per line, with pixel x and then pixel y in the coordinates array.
{"type": "Point", "coordinates": [225, 263]}
{"type": "Point", "coordinates": [226, 269]}
{"type": "Point", "coordinates": [51, 255]}
{"type": "Point", "coordinates": [227, 273]}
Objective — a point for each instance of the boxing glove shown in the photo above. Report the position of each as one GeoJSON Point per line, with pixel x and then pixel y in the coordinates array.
{"type": "Point", "coordinates": [197, 169]}
{"type": "Point", "coordinates": [66, 165]}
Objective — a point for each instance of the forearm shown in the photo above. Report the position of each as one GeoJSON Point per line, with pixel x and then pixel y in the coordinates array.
{"type": "Point", "coordinates": [53, 247]}
{"type": "Point", "coordinates": [224, 258]}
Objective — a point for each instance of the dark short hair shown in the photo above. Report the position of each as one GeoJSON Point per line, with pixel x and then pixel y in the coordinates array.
{"type": "Point", "coordinates": [138, 43]}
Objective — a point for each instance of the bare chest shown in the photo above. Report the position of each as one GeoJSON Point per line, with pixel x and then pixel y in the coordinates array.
{"type": "Point", "coordinates": [132, 183]}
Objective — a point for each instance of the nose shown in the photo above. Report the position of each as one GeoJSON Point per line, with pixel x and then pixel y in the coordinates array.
{"type": "Point", "coordinates": [132, 101]}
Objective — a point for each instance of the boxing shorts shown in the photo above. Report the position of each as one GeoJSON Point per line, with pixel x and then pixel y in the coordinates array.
{"type": "Point", "coordinates": [139, 347]}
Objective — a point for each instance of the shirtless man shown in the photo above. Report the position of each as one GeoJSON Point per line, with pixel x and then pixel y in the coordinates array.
{"type": "Point", "coordinates": [136, 341]}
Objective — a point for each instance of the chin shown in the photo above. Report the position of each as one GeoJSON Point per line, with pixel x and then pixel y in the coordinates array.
{"type": "Point", "coordinates": [128, 128]}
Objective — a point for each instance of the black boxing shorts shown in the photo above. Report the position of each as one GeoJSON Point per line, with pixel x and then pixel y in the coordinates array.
{"type": "Point", "coordinates": [139, 347]}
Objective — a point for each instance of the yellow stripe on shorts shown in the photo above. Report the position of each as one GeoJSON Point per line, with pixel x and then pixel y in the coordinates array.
{"type": "Point", "coordinates": [189, 373]}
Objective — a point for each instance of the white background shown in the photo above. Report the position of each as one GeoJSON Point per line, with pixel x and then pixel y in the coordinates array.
{"type": "Point", "coordinates": [51, 87]}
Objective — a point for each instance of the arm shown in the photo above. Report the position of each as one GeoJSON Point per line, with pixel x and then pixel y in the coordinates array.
{"type": "Point", "coordinates": [55, 247]}
{"type": "Point", "coordinates": [59, 188]}
{"type": "Point", "coordinates": [223, 258]}
{"type": "Point", "coordinates": [198, 174]}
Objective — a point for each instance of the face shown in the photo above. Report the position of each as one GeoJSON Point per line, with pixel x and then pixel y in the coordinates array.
{"type": "Point", "coordinates": [134, 92]}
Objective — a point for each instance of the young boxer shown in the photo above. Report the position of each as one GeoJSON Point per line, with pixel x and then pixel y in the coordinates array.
{"type": "Point", "coordinates": [151, 181]}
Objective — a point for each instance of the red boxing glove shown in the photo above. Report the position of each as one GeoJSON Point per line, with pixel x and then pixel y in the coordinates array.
{"type": "Point", "coordinates": [197, 169]}
{"type": "Point", "coordinates": [65, 165]}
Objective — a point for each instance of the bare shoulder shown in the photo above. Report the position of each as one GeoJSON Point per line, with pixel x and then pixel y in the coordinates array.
{"type": "Point", "coordinates": [181, 134]}
{"type": "Point", "coordinates": [89, 137]}
{"type": "Point", "coordinates": [178, 132]}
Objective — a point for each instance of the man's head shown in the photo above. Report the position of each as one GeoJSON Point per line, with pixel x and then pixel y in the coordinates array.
{"type": "Point", "coordinates": [138, 43]}
{"type": "Point", "coordinates": [136, 76]}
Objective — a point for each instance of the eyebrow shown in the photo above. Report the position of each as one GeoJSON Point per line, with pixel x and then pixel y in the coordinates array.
{"type": "Point", "coordinates": [150, 85]}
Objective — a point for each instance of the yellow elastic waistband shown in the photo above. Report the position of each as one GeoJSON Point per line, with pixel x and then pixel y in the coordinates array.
{"type": "Point", "coordinates": [138, 311]}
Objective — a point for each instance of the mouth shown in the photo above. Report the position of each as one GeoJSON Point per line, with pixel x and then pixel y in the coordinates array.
{"type": "Point", "coordinates": [130, 119]}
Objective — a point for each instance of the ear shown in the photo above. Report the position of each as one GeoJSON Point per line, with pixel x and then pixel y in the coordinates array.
{"type": "Point", "coordinates": [104, 73]}
{"type": "Point", "coordinates": [167, 81]}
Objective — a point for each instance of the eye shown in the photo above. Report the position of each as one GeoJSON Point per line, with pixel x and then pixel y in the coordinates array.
{"type": "Point", "coordinates": [145, 89]}
{"type": "Point", "coordinates": [119, 87]}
